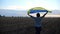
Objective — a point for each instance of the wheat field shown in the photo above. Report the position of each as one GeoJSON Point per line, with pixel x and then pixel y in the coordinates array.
{"type": "Point", "coordinates": [25, 25]}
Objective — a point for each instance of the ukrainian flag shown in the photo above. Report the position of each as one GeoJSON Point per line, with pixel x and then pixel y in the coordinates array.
{"type": "Point", "coordinates": [37, 9]}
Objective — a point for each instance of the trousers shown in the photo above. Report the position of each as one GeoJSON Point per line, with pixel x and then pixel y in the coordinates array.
{"type": "Point", "coordinates": [38, 30]}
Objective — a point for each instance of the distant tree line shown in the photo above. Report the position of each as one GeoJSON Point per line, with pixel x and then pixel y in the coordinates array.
{"type": "Point", "coordinates": [10, 16]}
{"type": "Point", "coordinates": [5, 16]}
{"type": "Point", "coordinates": [2, 16]}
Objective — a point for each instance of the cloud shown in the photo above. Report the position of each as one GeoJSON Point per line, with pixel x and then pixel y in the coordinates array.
{"type": "Point", "coordinates": [17, 7]}
{"type": "Point", "coordinates": [12, 7]}
{"type": "Point", "coordinates": [30, 4]}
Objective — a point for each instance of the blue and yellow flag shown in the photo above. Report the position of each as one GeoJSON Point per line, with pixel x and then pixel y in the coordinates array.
{"type": "Point", "coordinates": [37, 9]}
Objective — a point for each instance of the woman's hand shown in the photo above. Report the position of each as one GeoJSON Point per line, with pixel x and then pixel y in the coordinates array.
{"type": "Point", "coordinates": [44, 14]}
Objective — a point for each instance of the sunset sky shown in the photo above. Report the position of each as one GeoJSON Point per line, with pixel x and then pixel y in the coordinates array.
{"type": "Point", "coordinates": [28, 4]}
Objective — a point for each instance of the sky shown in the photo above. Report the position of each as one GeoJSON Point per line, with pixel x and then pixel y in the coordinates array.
{"type": "Point", "coordinates": [27, 4]}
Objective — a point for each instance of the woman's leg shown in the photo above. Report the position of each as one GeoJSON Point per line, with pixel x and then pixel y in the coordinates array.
{"type": "Point", "coordinates": [38, 29]}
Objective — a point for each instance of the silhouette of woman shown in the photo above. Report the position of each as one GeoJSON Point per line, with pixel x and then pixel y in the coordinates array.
{"type": "Point", "coordinates": [37, 20]}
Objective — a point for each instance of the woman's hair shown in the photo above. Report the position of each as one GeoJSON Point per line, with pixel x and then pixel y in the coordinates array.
{"type": "Point", "coordinates": [38, 14]}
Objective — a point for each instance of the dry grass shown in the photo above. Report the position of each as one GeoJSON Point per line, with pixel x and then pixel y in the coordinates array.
{"type": "Point", "coordinates": [25, 25]}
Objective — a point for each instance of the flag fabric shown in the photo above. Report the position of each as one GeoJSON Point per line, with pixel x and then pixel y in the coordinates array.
{"type": "Point", "coordinates": [37, 11]}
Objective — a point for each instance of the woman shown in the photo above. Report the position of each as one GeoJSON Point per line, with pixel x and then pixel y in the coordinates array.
{"type": "Point", "coordinates": [37, 20]}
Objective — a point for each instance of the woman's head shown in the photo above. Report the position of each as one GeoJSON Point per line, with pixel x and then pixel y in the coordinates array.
{"type": "Point", "coordinates": [38, 14]}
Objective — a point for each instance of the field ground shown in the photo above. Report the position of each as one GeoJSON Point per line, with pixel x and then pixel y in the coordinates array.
{"type": "Point", "coordinates": [25, 25]}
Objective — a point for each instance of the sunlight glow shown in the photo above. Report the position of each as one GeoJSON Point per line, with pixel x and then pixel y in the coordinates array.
{"type": "Point", "coordinates": [46, 15]}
